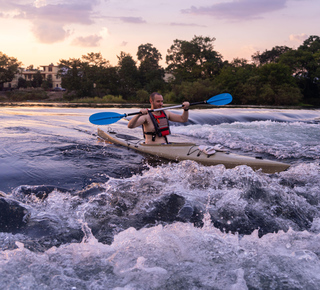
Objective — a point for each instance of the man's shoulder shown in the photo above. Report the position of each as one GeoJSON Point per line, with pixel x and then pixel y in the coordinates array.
{"type": "Point", "coordinates": [170, 114]}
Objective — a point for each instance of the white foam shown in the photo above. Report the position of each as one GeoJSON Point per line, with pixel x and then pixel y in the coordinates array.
{"type": "Point", "coordinates": [283, 140]}
{"type": "Point", "coordinates": [167, 257]}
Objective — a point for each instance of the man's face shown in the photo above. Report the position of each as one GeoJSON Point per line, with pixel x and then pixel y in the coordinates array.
{"type": "Point", "coordinates": [157, 103]}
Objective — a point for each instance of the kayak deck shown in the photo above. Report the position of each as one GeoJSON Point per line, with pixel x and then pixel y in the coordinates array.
{"type": "Point", "coordinates": [190, 151]}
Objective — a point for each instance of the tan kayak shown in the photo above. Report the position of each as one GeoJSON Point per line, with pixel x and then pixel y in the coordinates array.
{"type": "Point", "coordinates": [191, 151]}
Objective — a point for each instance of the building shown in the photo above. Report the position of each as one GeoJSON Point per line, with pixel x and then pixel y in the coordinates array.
{"type": "Point", "coordinates": [52, 70]}
{"type": "Point", "coordinates": [47, 72]}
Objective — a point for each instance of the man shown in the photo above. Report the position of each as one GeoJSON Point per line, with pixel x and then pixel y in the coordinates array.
{"type": "Point", "coordinates": [156, 124]}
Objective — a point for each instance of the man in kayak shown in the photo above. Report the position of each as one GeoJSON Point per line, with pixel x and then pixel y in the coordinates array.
{"type": "Point", "coordinates": [156, 124]}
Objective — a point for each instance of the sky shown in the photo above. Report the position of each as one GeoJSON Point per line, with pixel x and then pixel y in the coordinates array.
{"type": "Point", "coordinates": [41, 32]}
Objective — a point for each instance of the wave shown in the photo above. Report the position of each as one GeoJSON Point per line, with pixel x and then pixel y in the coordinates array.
{"type": "Point", "coordinates": [174, 225]}
{"type": "Point", "coordinates": [231, 115]}
{"type": "Point", "coordinates": [281, 140]}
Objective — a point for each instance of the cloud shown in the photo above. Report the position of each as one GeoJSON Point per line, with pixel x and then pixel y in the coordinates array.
{"type": "Point", "coordinates": [87, 41]}
{"type": "Point", "coordinates": [61, 13]}
{"type": "Point", "coordinates": [125, 19]}
{"type": "Point", "coordinates": [104, 32]}
{"type": "Point", "coordinates": [298, 37]}
{"type": "Point", "coordinates": [49, 20]}
{"type": "Point", "coordinates": [136, 20]}
{"type": "Point", "coordinates": [91, 40]}
{"type": "Point", "coordinates": [186, 24]}
{"type": "Point", "coordinates": [68, 12]}
{"type": "Point", "coordinates": [48, 33]}
{"type": "Point", "coordinates": [39, 3]}
{"type": "Point", "coordinates": [6, 5]}
{"type": "Point", "coordinates": [238, 9]}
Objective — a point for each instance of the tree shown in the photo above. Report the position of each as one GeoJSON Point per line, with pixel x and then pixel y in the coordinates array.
{"type": "Point", "coordinates": [196, 91]}
{"type": "Point", "coordinates": [269, 56]}
{"type": "Point", "coordinates": [89, 76]}
{"type": "Point", "coordinates": [192, 60]}
{"type": "Point", "coordinates": [37, 80]}
{"type": "Point", "coordinates": [99, 74]}
{"type": "Point", "coordinates": [22, 82]}
{"type": "Point", "coordinates": [312, 44]}
{"type": "Point", "coordinates": [304, 63]}
{"type": "Point", "coordinates": [104, 76]}
{"type": "Point", "coordinates": [234, 78]}
{"type": "Point", "coordinates": [8, 68]}
{"type": "Point", "coordinates": [95, 60]}
{"type": "Point", "coordinates": [149, 56]}
{"type": "Point", "coordinates": [128, 74]}
{"type": "Point", "coordinates": [107, 81]}
{"type": "Point", "coordinates": [48, 83]}
{"type": "Point", "coordinates": [151, 73]}
{"type": "Point", "coordinates": [71, 76]}
{"type": "Point", "coordinates": [277, 85]}
{"type": "Point", "coordinates": [268, 84]}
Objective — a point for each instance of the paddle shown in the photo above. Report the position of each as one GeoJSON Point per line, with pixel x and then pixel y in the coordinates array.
{"type": "Point", "coordinates": [106, 118]}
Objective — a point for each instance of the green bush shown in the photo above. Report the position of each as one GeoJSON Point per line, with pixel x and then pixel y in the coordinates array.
{"type": "Point", "coordinates": [105, 99]}
{"type": "Point", "coordinates": [169, 98]}
{"type": "Point", "coordinates": [142, 96]}
{"type": "Point", "coordinates": [194, 91]}
{"type": "Point", "coordinates": [3, 98]}
{"type": "Point", "coordinates": [113, 99]}
{"type": "Point", "coordinates": [27, 95]}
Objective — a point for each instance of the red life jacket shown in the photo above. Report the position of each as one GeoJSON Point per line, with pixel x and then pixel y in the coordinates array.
{"type": "Point", "coordinates": [161, 126]}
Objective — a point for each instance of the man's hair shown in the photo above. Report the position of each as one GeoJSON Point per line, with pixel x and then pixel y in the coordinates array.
{"type": "Point", "coordinates": [153, 95]}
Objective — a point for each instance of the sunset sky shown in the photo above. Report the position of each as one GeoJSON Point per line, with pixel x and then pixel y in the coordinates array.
{"type": "Point", "coordinates": [40, 32]}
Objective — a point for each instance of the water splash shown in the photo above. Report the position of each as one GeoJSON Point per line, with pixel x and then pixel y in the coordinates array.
{"type": "Point", "coordinates": [282, 140]}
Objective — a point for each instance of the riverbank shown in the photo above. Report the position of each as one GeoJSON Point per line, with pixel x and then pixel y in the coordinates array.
{"type": "Point", "coordinates": [131, 105]}
{"type": "Point", "coordinates": [72, 105]}
{"type": "Point", "coordinates": [55, 99]}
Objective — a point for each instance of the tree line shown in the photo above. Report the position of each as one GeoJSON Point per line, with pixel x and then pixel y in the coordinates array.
{"type": "Point", "coordinates": [194, 72]}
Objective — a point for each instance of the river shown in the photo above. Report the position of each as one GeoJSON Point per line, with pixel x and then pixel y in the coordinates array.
{"type": "Point", "coordinates": [79, 213]}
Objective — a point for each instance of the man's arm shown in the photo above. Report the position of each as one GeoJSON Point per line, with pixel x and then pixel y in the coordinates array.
{"type": "Point", "coordinates": [138, 120]}
{"type": "Point", "coordinates": [180, 118]}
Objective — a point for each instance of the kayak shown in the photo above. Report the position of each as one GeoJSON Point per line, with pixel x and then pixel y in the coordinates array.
{"type": "Point", "coordinates": [206, 155]}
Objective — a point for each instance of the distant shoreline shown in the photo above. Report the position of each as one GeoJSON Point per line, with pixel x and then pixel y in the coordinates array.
{"type": "Point", "coordinates": [135, 105]}
{"type": "Point", "coordinates": [72, 105]}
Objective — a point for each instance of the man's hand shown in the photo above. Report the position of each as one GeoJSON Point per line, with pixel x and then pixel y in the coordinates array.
{"type": "Point", "coordinates": [185, 105]}
{"type": "Point", "coordinates": [144, 111]}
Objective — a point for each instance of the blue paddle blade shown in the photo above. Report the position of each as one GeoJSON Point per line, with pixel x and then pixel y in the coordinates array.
{"type": "Point", "coordinates": [105, 118]}
{"type": "Point", "coordinates": [220, 100]}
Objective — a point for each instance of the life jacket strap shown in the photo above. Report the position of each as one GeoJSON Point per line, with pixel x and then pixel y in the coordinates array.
{"type": "Point", "coordinates": [154, 135]}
